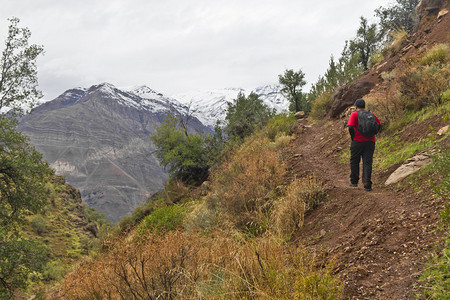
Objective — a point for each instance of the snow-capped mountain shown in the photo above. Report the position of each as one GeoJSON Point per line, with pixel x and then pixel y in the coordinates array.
{"type": "Point", "coordinates": [210, 106]}
{"type": "Point", "coordinates": [99, 138]}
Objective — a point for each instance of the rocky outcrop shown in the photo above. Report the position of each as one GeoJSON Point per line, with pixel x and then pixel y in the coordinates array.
{"type": "Point", "coordinates": [347, 94]}
{"type": "Point", "coordinates": [433, 28]}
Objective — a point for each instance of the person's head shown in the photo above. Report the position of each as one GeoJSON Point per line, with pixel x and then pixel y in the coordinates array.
{"type": "Point", "coordinates": [360, 103]}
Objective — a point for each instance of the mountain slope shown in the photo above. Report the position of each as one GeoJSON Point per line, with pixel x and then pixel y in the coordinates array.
{"type": "Point", "coordinates": [100, 139]}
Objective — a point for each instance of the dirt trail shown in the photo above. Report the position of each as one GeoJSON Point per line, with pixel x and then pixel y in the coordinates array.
{"type": "Point", "coordinates": [378, 241]}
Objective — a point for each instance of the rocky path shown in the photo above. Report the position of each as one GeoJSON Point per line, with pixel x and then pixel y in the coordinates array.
{"type": "Point", "coordinates": [377, 241]}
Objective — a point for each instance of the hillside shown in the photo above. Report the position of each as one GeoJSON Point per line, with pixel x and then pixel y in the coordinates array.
{"type": "Point", "coordinates": [67, 228]}
{"type": "Point", "coordinates": [378, 241]}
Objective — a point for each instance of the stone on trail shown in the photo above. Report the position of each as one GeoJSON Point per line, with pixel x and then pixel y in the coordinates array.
{"type": "Point", "coordinates": [410, 166]}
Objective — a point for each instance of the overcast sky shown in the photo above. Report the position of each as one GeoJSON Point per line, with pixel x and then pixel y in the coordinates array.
{"type": "Point", "coordinates": [176, 46]}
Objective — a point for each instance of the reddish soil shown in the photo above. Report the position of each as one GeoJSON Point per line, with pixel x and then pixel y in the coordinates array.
{"type": "Point", "coordinates": [378, 241]}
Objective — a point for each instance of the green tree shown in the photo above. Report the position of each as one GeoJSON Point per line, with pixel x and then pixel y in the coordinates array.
{"type": "Point", "coordinates": [186, 156]}
{"type": "Point", "coordinates": [401, 15]}
{"type": "Point", "coordinates": [292, 84]}
{"type": "Point", "coordinates": [349, 65]}
{"type": "Point", "coordinates": [245, 115]}
{"type": "Point", "coordinates": [23, 173]}
{"type": "Point", "coordinates": [365, 43]}
{"type": "Point", "coordinates": [18, 72]}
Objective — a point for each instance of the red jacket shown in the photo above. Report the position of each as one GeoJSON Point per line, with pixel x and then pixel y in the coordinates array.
{"type": "Point", "coordinates": [353, 121]}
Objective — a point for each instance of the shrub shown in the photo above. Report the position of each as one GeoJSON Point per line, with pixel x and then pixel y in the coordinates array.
{"type": "Point", "coordinates": [445, 96]}
{"type": "Point", "coordinates": [281, 141]}
{"type": "Point", "coordinates": [436, 55]}
{"type": "Point", "coordinates": [288, 212]}
{"type": "Point", "coordinates": [301, 196]}
{"type": "Point", "coordinates": [282, 123]}
{"type": "Point", "coordinates": [321, 105]}
{"type": "Point", "coordinates": [39, 225]}
{"type": "Point", "coordinates": [53, 271]}
{"type": "Point", "coordinates": [190, 266]}
{"type": "Point", "coordinates": [398, 40]}
{"type": "Point", "coordinates": [426, 82]}
{"type": "Point", "coordinates": [201, 217]}
{"type": "Point", "coordinates": [163, 219]}
{"type": "Point", "coordinates": [186, 156]}
{"type": "Point", "coordinates": [424, 86]}
{"type": "Point", "coordinates": [245, 115]}
{"type": "Point", "coordinates": [244, 181]}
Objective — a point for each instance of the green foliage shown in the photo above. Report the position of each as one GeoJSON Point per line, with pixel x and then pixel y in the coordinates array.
{"type": "Point", "coordinates": [245, 115]}
{"type": "Point", "coordinates": [136, 217]}
{"type": "Point", "coordinates": [18, 74]}
{"type": "Point", "coordinates": [365, 42]}
{"type": "Point", "coordinates": [438, 54]}
{"type": "Point", "coordinates": [344, 71]}
{"type": "Point", "coordinates": [280, 124]}
{"type": "Point", "coordinates": [163, 219]}
{"type": "Point", "coordinates": [94, 216]}
{"type": "Point", "coordinates": [435, 277]}
{"type": "Point", "coordinates": [19, 258]}
{"type": "Point", "coordinates": [401, 15]}
{"type": "Point", "coordinates": [23, 175]}
{"type": "Point", "coordinates": [398, 38]}
{"type": "Point", "coordinates": [321, 105]}
{"type": "Point", "coordinates": [445, 96]}
{"type": "Point", "coordinates": [38, 224]}
{"type": "Point", "coordinates": [391, 150]}
{"type": "Point", "coordinates": [292, 83]}
{"type": "Point", "coordinates": [187, 156]}
{"type": "Point", "coordinates": [53, 270]}
{"type": "Point", "coordinates": [442, 188]}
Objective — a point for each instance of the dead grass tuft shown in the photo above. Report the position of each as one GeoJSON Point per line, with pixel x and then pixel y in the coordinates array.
{"type": "Point", "coordinates": [301, 196]}
{"type": "Point", "coordinates": [243, 183]}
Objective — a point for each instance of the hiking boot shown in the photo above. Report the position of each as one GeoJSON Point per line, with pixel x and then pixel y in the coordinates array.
{"type": "Point", "coordinates": [353, 184]}
{"type": "Point", "coordinates": [368, 189]}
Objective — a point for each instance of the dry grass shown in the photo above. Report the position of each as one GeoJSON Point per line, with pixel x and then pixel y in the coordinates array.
{"type": "Point", "coordinates": [243, 183]}
{"type": "Point", "coordinates": [422, 82]}
{"type": "Point", "coordinates": [213, 256]}
{"type": "Point", "coordinates": [189, 266]}
{"type": "Point", "coordinates": [301, 196]}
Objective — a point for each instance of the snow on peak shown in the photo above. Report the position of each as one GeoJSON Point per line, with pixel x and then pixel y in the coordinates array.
{"type": "Point", "coordinates": [140, 97]}
{"type": "Point", "coordinates": [211, 105]}
{"type": "Point", "coordinates": [144, 91]}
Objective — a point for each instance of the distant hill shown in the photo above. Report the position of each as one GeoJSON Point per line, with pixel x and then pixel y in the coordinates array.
{"type": "Point", "coordinates": [100, 139]}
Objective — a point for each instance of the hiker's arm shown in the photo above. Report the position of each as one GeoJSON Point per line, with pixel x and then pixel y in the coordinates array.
{"type": "Point", "coordinates": [351, 130]}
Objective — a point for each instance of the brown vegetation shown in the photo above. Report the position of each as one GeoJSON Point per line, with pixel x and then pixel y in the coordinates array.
{"type": "Point", "coordinates": [187, 266]}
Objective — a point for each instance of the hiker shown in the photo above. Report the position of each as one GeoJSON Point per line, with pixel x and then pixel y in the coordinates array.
{"type": "Point", "coordinates": [362, 125]}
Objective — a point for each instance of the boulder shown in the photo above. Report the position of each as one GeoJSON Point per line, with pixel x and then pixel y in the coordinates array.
{"type": "Point", "coordinates": [443, 130]}
{"type": "Point", "coordinates": [409, 166]}
{"type": "Point", "coordinates": [347, 94]}
{"type": "Point", "coordinates": [300, 114]}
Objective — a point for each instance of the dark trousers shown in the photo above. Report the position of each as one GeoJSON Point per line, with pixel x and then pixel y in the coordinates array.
{"type": "Point", "coordinates": [364, 150]}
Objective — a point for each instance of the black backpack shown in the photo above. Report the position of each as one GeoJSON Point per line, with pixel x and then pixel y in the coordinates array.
{"type": "Point", "coordinates": [367, 123]}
